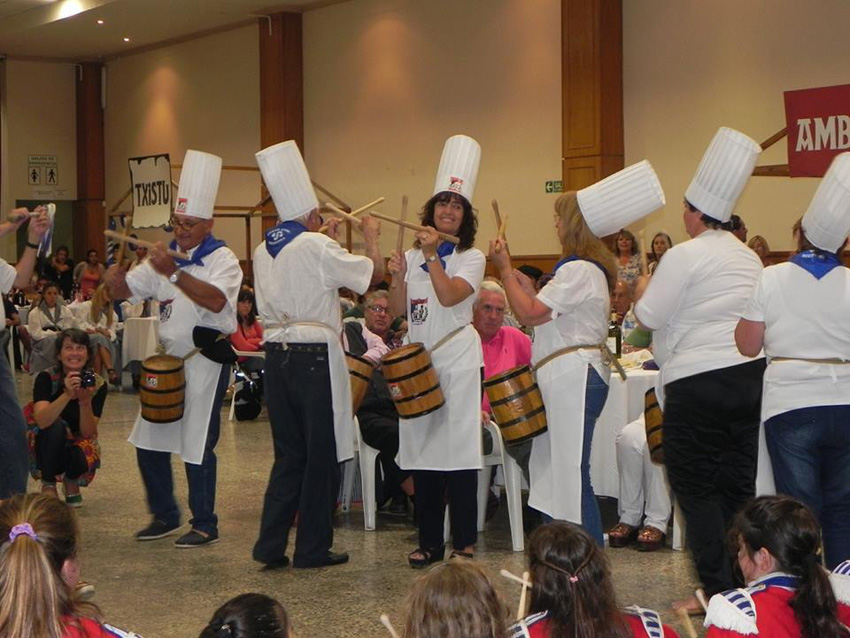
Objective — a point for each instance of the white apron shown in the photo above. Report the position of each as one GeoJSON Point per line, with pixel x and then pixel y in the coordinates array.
{"type": "Point", "coordinates": [555, 462]}
{"type": "Point", "coordinates": [188, 436]}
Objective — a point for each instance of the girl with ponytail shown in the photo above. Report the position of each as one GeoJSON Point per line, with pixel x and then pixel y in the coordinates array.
{"type": "Point", "coordinates": [249, 616]}
{"type": "Point", "coordinates": [789, 593]}
{"type": "Point", "coordinates": [39, 570]}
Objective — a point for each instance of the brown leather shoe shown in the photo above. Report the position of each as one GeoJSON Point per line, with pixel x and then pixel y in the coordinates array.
{"type": "Point", "coordinates": [650, 539]}
{"type": "Point", "coordinates": [621, 535]}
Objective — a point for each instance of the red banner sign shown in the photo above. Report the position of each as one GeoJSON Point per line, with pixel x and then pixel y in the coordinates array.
{"type": "Point", "coordinates": [818, 122]}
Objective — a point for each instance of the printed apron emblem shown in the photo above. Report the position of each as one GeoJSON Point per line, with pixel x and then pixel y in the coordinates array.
{"type": "Point", "coordinates": [165, 310]}
{"type": "Point", "coordinates": [418, 311]}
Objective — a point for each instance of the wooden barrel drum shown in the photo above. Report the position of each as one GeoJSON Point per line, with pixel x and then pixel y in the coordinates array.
{"type": "Point", "coordinates": [414, 386]}
{"type": "Point", "coordinates": [653, 419]}
{"type": "Point", "coordinates": [359, 373]}
{"type": "Point", "coordinates": [162, 388]}
{"type": "Point", "coordinates": [517, 405]}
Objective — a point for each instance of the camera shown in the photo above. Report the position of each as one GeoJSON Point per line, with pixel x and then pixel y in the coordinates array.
{"type": "Point", "coordinates": [87, 379]}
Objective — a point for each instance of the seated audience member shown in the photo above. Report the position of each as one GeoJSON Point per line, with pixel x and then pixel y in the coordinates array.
{"type": "Point", "coordinates": [249, 332]}
{"type": "Point", "coordinates": [100, 325]}
{"type": "Point", "coordinates": [67, 404]}
{"type": "Point", "coordinates": [759, 246]}
{"type": "Point", "coordinates": [533, 273]}
{"type": "Point", "coordinates": [376, 315]}
{"type": "Point", "coordinates": [634, 336]}
{"type": "Point", "coordinates": [572, 593]}
{"type": "Point", "coordinates": [661, 243]}
{"type": "Point", "coordinates": [643, 491]}
{"type": "Point", "coordinates": [788, 594]}
{"type": "Point", "coordinates": [40, 567]}
{"type": "Point", "coordinates": [46, 319]}
{"type": "Point", "coordinates": [88, 274]}
{"type": "Point", "coordinates": [628, 257]}
{"type": "Point", "coordinates": [13, 319]}
{"type": "Point", "coordinates": [455, 599]}
{"type": "Point", "coordinates": [61, 270]}
{"type": "Point", "coordinates": [737, 227]}
{"type": "Point", "coordinates": [249, 616]}
{"type": "Point", "coordinates": [140, 254]}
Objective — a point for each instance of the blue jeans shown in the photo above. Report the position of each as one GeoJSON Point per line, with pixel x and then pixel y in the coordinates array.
{"type": "Point", "coordinates": [159, 482]}
{"type": "Point", "coordinates": [595, 395]}
{"type": "Point", "coordinates": [14, 463]}
{"type": "Point", "coordinates": [810, 452]}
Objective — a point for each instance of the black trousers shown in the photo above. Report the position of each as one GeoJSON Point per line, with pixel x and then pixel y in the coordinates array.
{"type": "Point", "coordinates": [381, 432]}
{"type": "Point", "coordinates": [305, 476]}
{"type": "Point", "coordinates": [711, 427]}
{"type": "Point", "coordinates": [462, 489]}
{"type": "Point", "coordinates": [56, 455]}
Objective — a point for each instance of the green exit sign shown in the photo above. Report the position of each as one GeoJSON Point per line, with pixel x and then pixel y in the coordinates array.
{"type": "Point", "coordinates": [554, 186]}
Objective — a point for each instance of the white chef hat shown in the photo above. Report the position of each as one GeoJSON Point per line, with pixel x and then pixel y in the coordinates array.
{"type": "Point", "coordinates": [287, 179]}
{"type": "Point", "coordinates": [723, 173]}
{"type": "Point", "coordinates": [827, 221]}
{"type": "Point", "coordinates": [198, 184]}
{"type": "Point", "coordinates": [621, 198]}
{"type": "Point", "coordinates": [458, 171]}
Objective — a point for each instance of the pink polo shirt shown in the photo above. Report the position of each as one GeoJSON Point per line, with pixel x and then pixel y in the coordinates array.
{"type": "Point", "coordinates": [508, 349]}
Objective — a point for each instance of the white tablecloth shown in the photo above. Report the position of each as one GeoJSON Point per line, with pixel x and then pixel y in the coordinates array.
{"type": "Point", "coordinates": [141, 335]}
{"type": "Point", "coordinates": [624, 405]}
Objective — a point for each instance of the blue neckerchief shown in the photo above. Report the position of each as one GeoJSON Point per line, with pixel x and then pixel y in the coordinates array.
{"type": "Point", "coordinates": [779, 580]}
{"type": "Point", "coordinates": [815, 262]}
{"type": "Point", "coordinates": [281, 235]}
{"type": "Point", "coordinates": [208, 245]}
{"type": "Point", "coordinates": [443, 250]}
{"type": "Point", "coordinates": [577, 258]}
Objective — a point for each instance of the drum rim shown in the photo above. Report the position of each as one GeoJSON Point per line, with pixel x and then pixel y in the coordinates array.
{"type": "Point", "coordinates": [171, 371]}
{"type": "Point", "coordinates": [523, 418]}
{"type": "Point", "coordinates": [163, 420]}
{"type": "Point", "coordinates": [143, 388]}
{"type": "Point", "coordinates": [507, 374]}
{"type": "Point", "coordinates": [168, 406]}
{"type": "Point", "coordinates": [357, 357]}
{"type": "Point", "coordinates": [424, 412]}
{"type": "Point", "coordinates": [393, 357]}
{"type": "Point", "coordinates": [409, 375]}
{"type": "Point", "coordinates": [523, 392]}
{"type": "Point", "coordinates": [418, 395]}
{"type": "Point", "coordinates": [527, 437]}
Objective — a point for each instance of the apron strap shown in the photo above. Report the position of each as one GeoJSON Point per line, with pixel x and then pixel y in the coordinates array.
{"type": "Point", "coordinates": [607, 357]}
{"type": "Point", "coordinates": [448, 337]}
{"type": "Point", "coordinates": [834, 361]}
{"type": "Point", "coordinates": [286, 325]}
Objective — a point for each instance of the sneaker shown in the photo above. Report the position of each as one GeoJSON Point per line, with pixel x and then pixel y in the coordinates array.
{"type": "Point", "coordinates": [194, 538]}
{"type": "Point", "coordinates": [84, 590]}
{"type": "Point", "coordinates": [74, 500]}
{"type": "Point", "coordinates": [157, 529]}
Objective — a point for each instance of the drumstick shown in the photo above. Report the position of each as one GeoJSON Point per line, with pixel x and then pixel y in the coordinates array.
{"type": "Point", "coordinates": [525, 582]}
{"type": "Point", "coordinates": [16, 218]}
{"type": "Point", "coordinates": [503, 228]}
{"type": "Point", "coordinates": [445, 237]}
{"type": "Point", "coordinates": [644, 267]}
{"type": "Point", "coordinates": [385, 620]}
{"type": "Point", "coordinates": [701, 598]}
{"type": "Point", "coordinates": [141, 242]}
{"type": "Point", "coordinates": [400, 243]}
{"type": "Point", "coordinates": [495, 205]}
{"type": "Point", "coordinates": [520, 614]}
{"type": "Point", "coordinates": [357, 211]}
{"type": "Point", "coordinates": [343, 214]}
{"type": "Point", "coordinates": [686, 622]}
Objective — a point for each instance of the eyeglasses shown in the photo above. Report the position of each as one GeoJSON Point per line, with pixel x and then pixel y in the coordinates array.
{"type": "Point", "coordinates": [379, 310]}
{"type": "Point", "coordinates": [183, 224]}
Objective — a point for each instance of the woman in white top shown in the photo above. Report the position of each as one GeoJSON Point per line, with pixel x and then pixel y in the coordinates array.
{"type": "Point", "coordinates": [799, 315]}
{"type": "Point", "coordinates": [100, 324]}
{"type": "Point", "coordinates": [570, 312]}
{"type": "Point", "coordinates": [437, 283]}
{"type": "Point", "coordinates": [45, 321]}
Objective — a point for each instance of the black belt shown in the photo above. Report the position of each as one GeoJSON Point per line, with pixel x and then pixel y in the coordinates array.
{"type": "Point", "coordinates": [272, 346]}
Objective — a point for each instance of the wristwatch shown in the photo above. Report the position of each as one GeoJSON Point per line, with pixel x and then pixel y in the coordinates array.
{"type": "Point", "coordinates": [431, 259]}
{"type": "Point", "coordinates": [173, 277]}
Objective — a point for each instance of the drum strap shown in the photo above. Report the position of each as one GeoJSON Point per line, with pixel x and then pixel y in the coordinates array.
{"type": "Point", "coordinates": [835, 361]}
{"type": "Point", "coordinates": [607, 357]}
{"type": "Point", "coordinates": [448, 338]}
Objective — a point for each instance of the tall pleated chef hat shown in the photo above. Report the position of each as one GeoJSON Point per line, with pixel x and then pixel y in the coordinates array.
{"type": "Point", "coordinates": [458, 171]}
{"type": "Point", "coordinates": [723, 173]}
{"type": "Point", "coordinates": [827, 221]}
{"type": "Point", "coordinates": [287, 179]}
{"type": "Point", "coordinates": [198, 184]}
{"type": "Point", "coordinates": [621, 198]}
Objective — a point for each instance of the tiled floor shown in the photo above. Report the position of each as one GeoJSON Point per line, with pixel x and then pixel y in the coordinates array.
{"type": "Point", "coordinates": [160, 591]}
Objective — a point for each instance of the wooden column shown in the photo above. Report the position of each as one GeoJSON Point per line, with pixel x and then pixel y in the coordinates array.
{"type": "Point", "coordinates": [89, 212]}
{"type": "Point", "coordinates": [281, 85]}
{"type": "Point", "coordinates": [592, 81]}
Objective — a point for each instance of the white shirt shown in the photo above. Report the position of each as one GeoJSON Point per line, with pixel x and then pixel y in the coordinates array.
{"type": "Point", "coordinates": [37, 320]}
{"type": "Point", "coordinates": [7, 280]}
{"type": "Point", "coordinates": [87, 324]}
{"type": "Point", "coordinates": [428, 320]}
{"type": "Point", "coordinates": [302, 283]}
{"type": "Point", "coordinates": [694, 301]}
{"type": "Point", "coordinates": [806, 318]}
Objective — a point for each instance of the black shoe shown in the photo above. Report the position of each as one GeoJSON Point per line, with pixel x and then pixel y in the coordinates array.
{"type": "Point", "coordinates": [398, 507]}
{"type": "Point", "coordinates": [333, 558]}
{"type": "Point", "coordinates": [276, 564]}
{"type": "Point", "coordinates": [194, 538]}
{"type": "Point", "coordinates": [157, 529]}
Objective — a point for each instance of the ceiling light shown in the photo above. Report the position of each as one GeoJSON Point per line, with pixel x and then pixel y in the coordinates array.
{"type": "Point", "coordinates": [126, 39]}
{"type": "Point", "coordinates": [100, 21]}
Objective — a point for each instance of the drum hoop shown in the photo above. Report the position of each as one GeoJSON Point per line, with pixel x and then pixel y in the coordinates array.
{"type": "Point", "coordinates": [163, 420]}
{"type": "Point", "coordinates": [410, 375]}
{"type": "Point", "coordinates": [173, 370]}
{"type": "Point", "coordinates": [359, 375]}
{"type": "Point", "coordinates": [424, 412]}
{"type": "Point", "coordinates": [168, 406]}
{"type": "Point", "coordinates": [391, 359]}
{"type": "Point", "coordinates": [527, 437]}
{"type": "Point", "coordinates": [419, 395]}
{"type": "Point", "coordinates": [158, 391]}
{"type": "Point", "coordinates": [654, 428]}
{"type": "Point", "coordinates": [524, 417]}
{"type": "Point", "coordinates": [515, 395]}
{"type": "Point", "coordinates": [504, 376]}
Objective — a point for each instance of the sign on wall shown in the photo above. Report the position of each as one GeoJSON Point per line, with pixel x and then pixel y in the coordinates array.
{"type": "Point", "coordinates": [43, 177]}
{"type": "Point", "coordinates": [818, 123]}
{"type": "Point", "coordinates": [152, 193]}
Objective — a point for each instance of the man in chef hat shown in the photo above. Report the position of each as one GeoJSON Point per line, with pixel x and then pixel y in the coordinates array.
{"type": "Point", "coordinates": [197, 305]}
{"type": "Point", "coordinates": [711, 393]}
{"type": "Point", "coordinates": [298, 273]}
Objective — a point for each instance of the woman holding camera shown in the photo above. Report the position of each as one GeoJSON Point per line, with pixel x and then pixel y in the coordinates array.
{"type": "Point", "coordinates": [67, 404]}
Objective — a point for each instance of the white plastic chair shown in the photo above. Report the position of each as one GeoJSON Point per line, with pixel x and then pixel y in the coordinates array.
{"type": "Point", "coordinates": [240, 353]}
{"type": "Point", "coordinates": [678, 527]}
{"type": "Point", "coordinates": [366, 456]}
{"type": "Point", "coordinates": [513, 487]}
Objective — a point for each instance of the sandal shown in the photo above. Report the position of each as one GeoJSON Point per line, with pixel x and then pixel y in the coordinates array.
{"type": "Point", "coordinates": [621, 535]}
{"type": "Point", "coordinates": [650, 539]}
{"type": "Point", "coordinates": [428, 557]}
{"type": "Point", "coordinates": [456, 553]}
